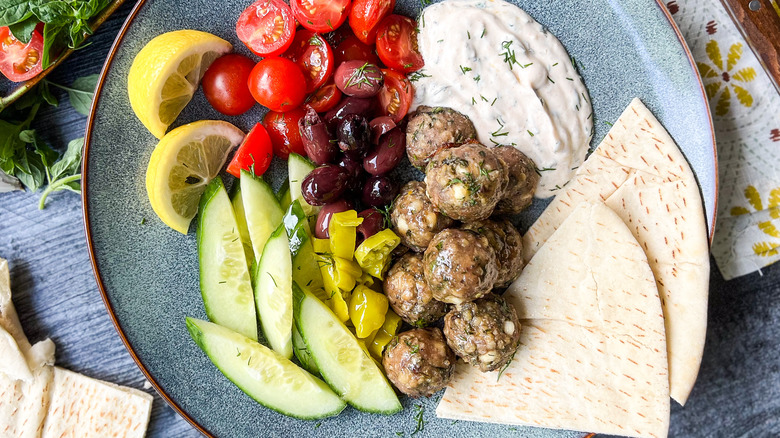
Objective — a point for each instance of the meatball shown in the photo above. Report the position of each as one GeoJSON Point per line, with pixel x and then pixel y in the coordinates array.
{"type": "Point", "coordinates": [460, 266]}
{"type": "Point", "coordinates": [430, 129]}
{"type": "Point", "coordinates": [415, 219]}
{"type": "Point", "coordinates": [409, 294]}
{"type": "Point", "coordinates": [508, 243]}
{"type": "Point", "coordinates": [419, 362]}
{"type": "Point", "coordinates": [466, 182]}
{"type": "Point", "coordinates": [523, 179]}
{"type": "Point", "coordinates": [485, 333]}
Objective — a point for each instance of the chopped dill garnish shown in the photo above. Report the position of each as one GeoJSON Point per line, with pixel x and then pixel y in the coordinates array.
{"type": "Point", "coordinates": [550, 79]}
{"type": "Point", "coordinates": [494, 101]}
{"type": "Point", "coordinates": [273, 279]}
{"type": "Point", "coordinates": [419, 419]}
{"type": "Point", "coordinates": [569, 79]}
{"type": "Point", "coordinates": [477, 78]}
{"type": "Point", "coordinates": [483, 33]}
{"type": "Point", "coordinates": [608, 124]}
{"type": "Point", "coordinates": [497, 132]}
{"type": "Point", "coordinates": [529, 132]}
{"type": "Point", "coordinates": [464, 69]}
{"type": "Point", "coordinates": [473, 101]}
{"type": "Point", "coordinates": [468, 34]}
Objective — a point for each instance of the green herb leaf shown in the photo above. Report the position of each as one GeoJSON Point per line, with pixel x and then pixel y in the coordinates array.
{"type": "Point", "coordinates": [14, 11]}
{"type": "Point", "coordinates": [23, 30]}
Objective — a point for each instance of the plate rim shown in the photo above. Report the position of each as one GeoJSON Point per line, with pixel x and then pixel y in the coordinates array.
{"type": "Point", "coordinates": [84, 192]}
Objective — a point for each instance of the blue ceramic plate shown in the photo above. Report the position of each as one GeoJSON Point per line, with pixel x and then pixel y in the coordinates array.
{"type": "Point", "coordinates": [148, 274]}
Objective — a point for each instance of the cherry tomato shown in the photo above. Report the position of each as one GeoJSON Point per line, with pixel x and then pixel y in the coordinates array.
{"type": "Point", "coordinates": [336, 37]}
{"type": "Point", "coordinates": [278, 84]}
{"type": "Point", "coordinates": [266, 27]}
{"type": "Point", "coordinates": [314, 56]}
{"type": "Point", "coordinates": [284, 132]}
{"type": "Point", "coordinates": [254, 154]}
{"type": "Point", "coordinates": [325, 98]}
{"type": "Point", "coordinates": [352, 49]}
{"type": "Point", "coordinates": [366, 15]}
{"type": "Point", "coordinates": [396, 44]}
{"type": "Point", "coordinates": [395, 98]}
{"type": "Point", "coordinates": [225, 84]}
{"type": "Point", "coordinates": [19, 61]}
{"type": "Point", "coordinates": [320, 15]}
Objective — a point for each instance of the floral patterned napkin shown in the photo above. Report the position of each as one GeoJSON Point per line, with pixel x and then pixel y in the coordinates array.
{"type": "Point", "coordinates": [746, 114]}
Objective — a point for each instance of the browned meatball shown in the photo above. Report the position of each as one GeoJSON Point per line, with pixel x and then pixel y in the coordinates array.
{"type": "Point", "coordinates": [419, 362]}
{"type": "Point", "coordinates": [409, 294]}
{"type": "Point", "coordinates": [523, 179]}
{"type": "Point", "coordinates": [466, 182]}
{"type": "Point", "coordinates": [460, 266]}
{"type": "Point", "coordinates": [430, 129]}
{"type": "Point", "coordinates": [508, 243]}
{"type": "Point", "coordinates": [414, 218]}
{"type": "Point", "coordinates": [485, 333]}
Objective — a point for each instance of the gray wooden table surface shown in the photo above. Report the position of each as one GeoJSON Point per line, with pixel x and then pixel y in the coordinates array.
{"type": "Point", "coordinates": [737, 393]}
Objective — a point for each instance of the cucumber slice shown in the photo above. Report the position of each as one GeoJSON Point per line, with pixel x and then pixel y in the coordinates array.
{"type": "Point", "coordinates": [302, 352]}
{"type": "Point", "coordinates": [237, 202]}
{"type": "Point", "coordinates": [263, 212]}
{"type": "Point", "coordinates": [297, 169]}
{"type": "Point", "coordinates": [264, 375]}
{"type": "Point", "coordinates": [224, 275]}
{"type": "Point", "coordinates": [283, 195]}
{"type": "Point", "coordinates": [306, 272]}
{"type": "Point", "coordinates": [343, 363]}
{"type": "Point", "coordinates": [273, 292]}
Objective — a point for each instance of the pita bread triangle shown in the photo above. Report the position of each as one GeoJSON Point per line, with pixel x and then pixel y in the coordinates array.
{"type": "Point", "coordinates": [639, 172]}
{"type": "Point", "coordinates": [592, 352]}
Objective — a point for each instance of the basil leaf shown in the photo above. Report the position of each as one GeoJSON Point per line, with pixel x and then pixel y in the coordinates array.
{"type": "Point", "coordinates": [23, 30]}
{"type": "Point", "coordinates": [47, 95]}
{"type": "Point", "coordinates": [50, 34]}
{"type": "Point", "coordinates": [70, 161]}
{"type": "Point", "coordinates": [14, 11]}
{"type": "Point", "coordinates": [30, 171]}
{"type": "Point", "coordinates": [81, 93]}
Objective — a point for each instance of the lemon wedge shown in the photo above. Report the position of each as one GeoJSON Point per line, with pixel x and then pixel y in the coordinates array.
{"type": "Point", "coordinates": [181, 166]}
{"type": "Point", "coordinates": [166, 73]}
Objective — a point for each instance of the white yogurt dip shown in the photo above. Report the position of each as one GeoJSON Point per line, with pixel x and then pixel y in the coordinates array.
{"type": "Point", "coordinates": [491, 61]}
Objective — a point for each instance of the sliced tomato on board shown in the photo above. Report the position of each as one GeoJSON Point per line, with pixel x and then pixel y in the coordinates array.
{"type": "Point", "coordinates": [284, 132]}
{"type": "Point", "coordinates": [396, 95]}
{"type": "Point", "coordinates": [325, 98]}
{"type": "Point", "coordinates": [266, 27]}
{"type": "Point", "coordinates": [278, 84]}
{"type": "Point", "coordinates": [254, 154]}
{"type": "Point", "coordinates": [320, 15]}
{"type": "Point", "coordinates": [396, 44]}
{"type": "Point", "coordinates": [19, 61]}
{"type": "Point", "coordinates": [352, 49]}
{"type": "Point", "coordinates": [314, 56]}
{"type": "Point", "coordinates": [366, 15]}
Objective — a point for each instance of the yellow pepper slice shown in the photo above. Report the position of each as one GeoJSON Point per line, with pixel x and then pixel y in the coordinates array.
{"type": "Point", "coordinates": [321, 246]}
{"type": "Point", "coordinates": [334, 297]}
{"type": "Point", "coordinates": [346, 273]}
{"type": "Point", "coordinates": [373, 255]}
{"type": "Point", "coordinates": [366, 279]}
{"type": "Point", "coordinates": [343, 233]}
{"type": "Point", "coordinates": [367, 310]}
{"type": "Point", "coordinates": [385, 334]}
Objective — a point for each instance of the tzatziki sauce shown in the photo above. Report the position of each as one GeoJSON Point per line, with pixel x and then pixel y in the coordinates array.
{"type": "Point", "coordinates": [491, 61]}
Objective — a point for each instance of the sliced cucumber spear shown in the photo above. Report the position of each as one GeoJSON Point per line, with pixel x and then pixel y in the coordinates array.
{"type": "Point", "coordinates": [305, 272]}
{"type": "Point", "coordinates": [263, 213]}
{"type": "Point", "coordinates": [297, 169]}
{"type": "Point", "coordinates": [264, 375]}
{"type": "Point", "coordinates": [236, 200]}
{"type": "Point", "coordinates": [273, 292]}
{"type": "Point", "coordinates": [346, 367]}
{"type": "Point", "coordinates": [302, 352]}
{"type": "Point", "coordinates": [224, 275]}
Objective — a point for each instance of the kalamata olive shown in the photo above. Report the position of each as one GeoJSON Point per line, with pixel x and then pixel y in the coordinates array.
{"type": "Point", "coordinates": [355, 171]}
{"type": "Point", "coordinates": [390, 151]}
{"type": "Point", "coordinates": [316, 139]}
{"type": "Point", "coordinates": [354, 135]}
{"type": "Point", "coordinates": [349, 105]}
{"type": "Point", "coordinates": [323, 217]}
{"type": "Point", "coordinates": [379, 191]}
{"type": "Point", "coordinates": [324, 184]}
{"type": "Point", "coordinates": [373, 222]}
{"type": "Point", "coordinates": [380, 126]}
{"type": "Point", "coordinates": [359, 78]}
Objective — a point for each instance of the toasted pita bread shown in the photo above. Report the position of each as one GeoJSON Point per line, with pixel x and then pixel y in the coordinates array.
{"type": "Point", "coordinates": [592, 352]}
{"type": "Point", "coordinates": [640, 173]}
{"type": "Point", "coordinates": [23, 404]}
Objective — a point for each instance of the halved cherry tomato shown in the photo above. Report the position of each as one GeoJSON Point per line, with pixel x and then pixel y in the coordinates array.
{"type": "Point", "coordinates": [266, 27]}
{"type": "Point", "coordinates": [395, 98]}
{"type": "Point", "coordinates": [396, 44]}
{"type": "Point", "coordinates": [352, 49]}
{"type": "Point", "coordinates": [254, 154]}
{"type": "Point", "coordinates": [320, 15]}
{"type": "Point", "coordinates": [366, 15]}
{"type": "Point", "coordinates": [325, 98]}
{"type": "Point", "coordinates": [225, 84]}
{"type": "Point", "coordinates": [284, 132]}
{"type": "Point", "coordinates": [19, 61]}
{"type": "Point", "coordinates": [314, 56]}
{"type": "Point", "coordinates": [278, 84]}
